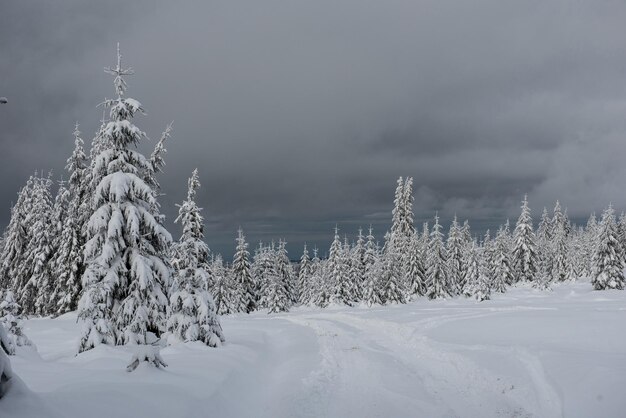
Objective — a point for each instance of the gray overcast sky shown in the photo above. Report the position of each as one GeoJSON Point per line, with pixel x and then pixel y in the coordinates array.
{"type": "Point", "coordinates": [301, 114]}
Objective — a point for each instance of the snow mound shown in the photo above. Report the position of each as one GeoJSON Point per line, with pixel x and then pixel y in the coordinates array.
{"type": "Point", "coordinates": [524, 353]}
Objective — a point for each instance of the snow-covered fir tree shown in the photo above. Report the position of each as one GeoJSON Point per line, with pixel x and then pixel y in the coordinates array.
{"type": "Point", "coordinates": [350, 269]}
{"type": "Point", "coordinates": [608, 267]}
{"type": "Point", "coordinates": [285, 272]}
{"type": "Point", "coordinates": [373, 285]}
{"type": "Point", "coordinates": [315, 279]}
{"type": "Point", "coordinates": [501, 267]}
{"type": "Point", "coordinates": [246, 297]}
{"type": "Point", "coordinates": [455, 249]}
{"type": "Point", "coordinates": [150, 354]}
{"type": "Point", "coordinates": [437, 284]}
{"type": "Point", "coordinates": [397, 214]}
{"type": "Point", "coordinates": [589, 244]}
{"type": "Point", "coordinates": [391, 283]}
{"type": "Point", "coordinates": [223, 290]}
{"type": "Point", "coordinates": [525, 257]}
{"type": "Point", "coordinates": [559, 220]}
{"type": "Point", "coordinates": [621, 231]}
{"type": "Point", "coordinates": [320, 292]}
{"type": "Point", "coordinates": [487, 258]}
{"type": "Point", "coordinates": [157, 162]}
{"type": "Point", "coordinates": [77, 166]}
{"type": "Point", "coordinates": [357, 266]}
{"type": "Point", "coordinates": [578, 256]}
{"type": "Point", "coordinates": [273, 292]}
{"type": "Point", "coordinates": [34, 295]}
{"type": "Point", "coordinates": [560, 250]}
{"type": "Point", "coordinates": [11, 319]}
{"type": "Point", "coordinates": [416, 270]}
{"type": "Point", "coordinates": [68, 260]}
{"type": "Point", "coordinates": [262, 268]}
{"type": "Point", "coordinates": [304, 277]}
{"type": "Point", "coordinates": [60, 212]}
{"type": "Point", "coordinates": [424, 243]}
{"type": "Point", "coordinates": [472, 273]}
{"type": "Point", "coordinates": [544, 229]}
{"type": "Point", "coordinates": [6, 349]}
{"type": "Point", "coordinates": [391, 280]}
{"type": "Point", "coordinates": [192, 312]}
{"type": "Point", "coordinates": [406, 227]}
{"type": "Point", "coordinates": [277, 298]}
{"type": "Point", "coordinates": [402, 227]}
{"type": "Point", "coordinates": [560, 254]}
{"type": "Point", "coordinates": [543, 241]}
{"type": "Point", "coordinates": [337, 273]}
{"type": "Point", "coordinates": [477, 282]}
{"type": "Point", "coordinates": [544, 276]}
{"type": "Point", "coordinates": [466, 233]}
{"type": "Point", "coordinates": [127, 269]}
{"type": "Point", "coordinates": [16, 239]}
{"type": "Point", "coordinates": [371, 291]}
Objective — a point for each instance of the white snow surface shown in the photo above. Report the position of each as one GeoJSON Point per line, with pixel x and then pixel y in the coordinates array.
{"type": "Point", "coordinates": [526, 353]}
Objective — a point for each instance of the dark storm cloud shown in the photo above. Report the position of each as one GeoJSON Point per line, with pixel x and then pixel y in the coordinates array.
{"type": "Point", "coordinates": [300, 115]}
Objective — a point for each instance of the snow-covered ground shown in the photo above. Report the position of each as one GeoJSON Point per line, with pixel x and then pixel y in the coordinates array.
{"type": "Point", "coordinates": [524, 354]}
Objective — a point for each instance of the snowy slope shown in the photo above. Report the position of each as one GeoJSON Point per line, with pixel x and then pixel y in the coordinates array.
{"type": "Point", "coordinates": [524, 354]}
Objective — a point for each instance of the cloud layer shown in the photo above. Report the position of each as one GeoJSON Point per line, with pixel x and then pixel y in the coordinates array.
{"type": "Point", "coordinates": [300, 115]}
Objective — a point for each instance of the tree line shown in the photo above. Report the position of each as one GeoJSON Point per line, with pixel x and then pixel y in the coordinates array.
{"type": "Point", "coordinates": [100, 247]}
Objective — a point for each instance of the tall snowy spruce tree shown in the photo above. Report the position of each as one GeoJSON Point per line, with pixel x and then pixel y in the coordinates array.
{"type": "Point", "coordinates": [545, 248]}
{"type": "Point", "coordinates": [223, 287]}
{"type": "Point", "coordinates": [337, 273]}
{"type": "Point", "coordinates": [276, 292]}
{"type": "Point", "coordinates": [277, 298]}
{"type": "Point", "coordinates": [455, 249]}
{"type": "Point", "coordinates": [437, 285]}
{"type": "Point", "coordinates": [416, 270]}
{"type": "Point", "coordinates": [525, 257]}
{"type": "Point", "coordinates": [577, 258]}
{"type": "Point", "coordinates": [621, 231]}
{"type": "Point", "coordinates": [502, 272]}
{"type": "Point", "coordinates": [392, 268]}
{"type": "Point", "coordinates": [262, 268]}
{"type": "Point", "coordinates": [246, 297]}
{"type": "Point", "coordinates": [402, 228]}
{"type": "Point", "coordinates": [544, 229]}
{"type": "Point", "coordinates": [589, 244]}
{"type": "Point", "coordinates": [36, 270]}
{"type": "Point", "coordinates": [319, 293]}
{"type": "Point", "coordinates": [357, 266]}
{"type": "Point", "coordinates": [391, 283]}
{"type": "Point", "coordinates": [127, 270]}
{"type": "Point", "coordinates": [16, 239]}
{"type": "Point", "coordinates": [304, 277]}
{"type": "Point", "coordinates": [68, 262]}
{"type": "Point", "coordinates": [545, 264]}
{"type": "Point", "coordinates": [285, 272]}
{"type": "Point", "coordinates": [192, 312]}
{"type": "Point", "coordinates": [560, 236]}
{"type": "Point", "coordinates": [398, 212]}
{"type": "Point", "coordinates": [476, 280]}
{"type": "Point", "coordinates": [372, 289]}
{"type": "Point", "coordinates": [608, 267]}
{"type": "Point", "coordinates": [60, 212]}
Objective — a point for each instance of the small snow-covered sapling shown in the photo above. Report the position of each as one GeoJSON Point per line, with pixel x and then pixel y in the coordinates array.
{"type": "Point", "coordinates": [148, 353]}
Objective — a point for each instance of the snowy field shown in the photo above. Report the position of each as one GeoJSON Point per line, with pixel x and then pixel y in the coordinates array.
{"type": "Point", "coordinates": [524, 354]}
